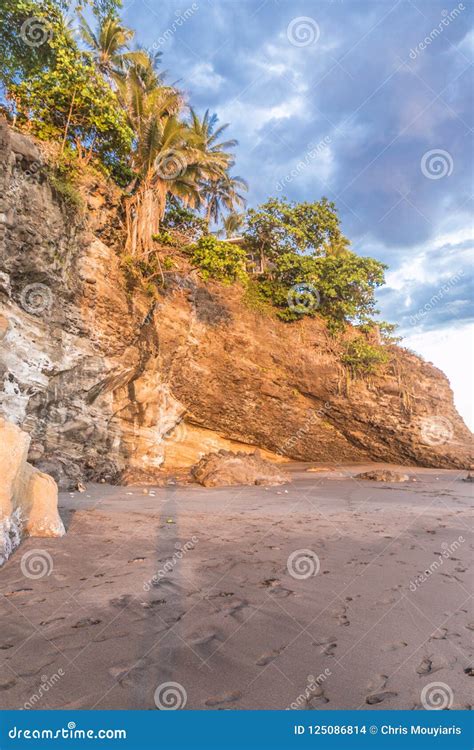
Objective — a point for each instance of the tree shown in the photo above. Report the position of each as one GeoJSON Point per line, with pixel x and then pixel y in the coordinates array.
{"type": "Point", "coordinates": [279, 226]}
{"type": "Point", "coordinates": [62, 96]}
{"type": "Point", "coordinates": [109, 46]}
{"type": "Point", "coordinates": [222, 193]}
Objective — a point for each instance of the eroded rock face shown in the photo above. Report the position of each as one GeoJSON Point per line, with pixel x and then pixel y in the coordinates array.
{"type": "Point", "coordinates": [225, 468]}
{"type": "Point", "coordinates": [28, 498]}
{"type": "Point", "coordinates": [105, 379]}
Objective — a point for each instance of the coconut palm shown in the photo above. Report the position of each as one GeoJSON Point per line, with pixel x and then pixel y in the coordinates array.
{"type": "Point", "coordinates": [164, 155]}
{"type": "Point", "coordinates": [232, 223]}
{"type": "Point", "coordinates": [222, 194]}
{"type": "Point", "coordinates": [109, 46]}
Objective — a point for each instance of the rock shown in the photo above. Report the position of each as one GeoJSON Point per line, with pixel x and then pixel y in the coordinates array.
{"type": "Point", "coordinates": [380, 475]}
{"type": "Point", "coordinates": [28, 498]}
{"type": "Point", "coordinates": [81, 487]}
{"type": "Point", "coordinates": [226, 468]}
{"type": "Point", "coordinates": [106, 379]}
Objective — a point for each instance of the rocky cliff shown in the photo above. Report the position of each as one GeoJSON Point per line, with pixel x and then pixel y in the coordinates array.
{"type": "Point", "coordinates": [104, 377]}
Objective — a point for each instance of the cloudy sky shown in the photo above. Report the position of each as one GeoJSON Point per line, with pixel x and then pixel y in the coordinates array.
{"type": "Point", "coordinates": [366, 102]}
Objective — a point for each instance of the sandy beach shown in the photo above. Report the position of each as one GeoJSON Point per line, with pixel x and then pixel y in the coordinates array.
{"type": "Point", "coordinates": [328, 592]}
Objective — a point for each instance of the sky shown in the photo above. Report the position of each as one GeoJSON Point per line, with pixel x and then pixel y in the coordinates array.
{"type": "Point", "coordinates": [366, 102]}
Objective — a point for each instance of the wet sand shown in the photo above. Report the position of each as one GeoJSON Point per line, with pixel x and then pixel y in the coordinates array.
{"type": "Point", "coordinates": [209, 588]}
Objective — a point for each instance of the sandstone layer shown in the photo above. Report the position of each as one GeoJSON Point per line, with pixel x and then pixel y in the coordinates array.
{"type": "Point", "coordinates": [106, 378]}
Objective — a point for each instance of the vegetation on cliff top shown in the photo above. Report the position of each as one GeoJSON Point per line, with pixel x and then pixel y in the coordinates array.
{"type": "Point", "coordinates": [108, 105]}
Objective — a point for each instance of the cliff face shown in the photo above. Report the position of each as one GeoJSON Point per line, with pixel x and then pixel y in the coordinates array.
{"type": "Point", "coordinates": [104, 378]}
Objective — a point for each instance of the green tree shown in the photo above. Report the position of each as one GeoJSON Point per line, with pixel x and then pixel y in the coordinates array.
{"type": "Point", "coordinates": [279, 226]}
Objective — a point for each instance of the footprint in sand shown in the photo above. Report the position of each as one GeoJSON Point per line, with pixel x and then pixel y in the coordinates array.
{"type": "Point", "coordinates": [86, 622]}
{"type": "Point", "coordinates": [7, 684]}
{"type": "Point", "coordinates": [394, 646]}
{"type": "Point", "coordinates": [340, 614]}
{"type": "Point", "coordinates": [425, 666]}
{"type": "Point", "coordinates": [266, 658]}
{"type": "Point", "coordinates": [377, 682]}
{"type": "Point", "coordinates": [226, 698]}
{"type": "Point", "coordinates": [380, 697]}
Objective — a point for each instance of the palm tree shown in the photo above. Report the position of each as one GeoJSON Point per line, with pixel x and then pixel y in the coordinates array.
{"type": "Point", "coordinates": [231, 224]}
{"type": "Point", "coordinates": [223, 193]}
{"type": "Point", "coordinates": [163, 158]}
{"type": "Point", "coordinates": [109, 46]}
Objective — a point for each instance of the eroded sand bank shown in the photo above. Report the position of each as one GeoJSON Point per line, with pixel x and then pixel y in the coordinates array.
{"type": "Point", "coordinates": [192, 586]}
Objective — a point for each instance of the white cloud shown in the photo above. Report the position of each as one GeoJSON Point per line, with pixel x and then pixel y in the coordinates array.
{"type": "Point", "coordinates": [204, 77]}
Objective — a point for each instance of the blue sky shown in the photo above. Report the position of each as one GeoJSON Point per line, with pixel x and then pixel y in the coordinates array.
{"type": "Point", "coordinates": [368, 103]}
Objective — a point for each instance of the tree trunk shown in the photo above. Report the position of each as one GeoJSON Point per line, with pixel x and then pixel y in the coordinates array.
{"type": "Point", "coordinates": [143, 213]}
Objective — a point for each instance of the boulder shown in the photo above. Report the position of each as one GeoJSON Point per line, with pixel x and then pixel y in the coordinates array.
{"type": "Point", "coordinates": [226, 468]}
{"type": "Point", "coordinates": [28, 498]}
{"type": "Point", "coordinates": [382, 475]}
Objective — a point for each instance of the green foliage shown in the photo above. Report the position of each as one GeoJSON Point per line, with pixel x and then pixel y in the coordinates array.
{"type": "Point", "coordinates": [165, 238]}
{"type": "Point", "coordinates": [279, 227]}
{"type": "Point", "coordinates": [57, 87]}
{"type": "Point", "coordinates": [340, 289]}
{"type": "Point", "coordinates": [363, 358]}
{"type": "Point", "coordinates": [184, 221]}
{"type": "Point", "coordinates": [219, 260]}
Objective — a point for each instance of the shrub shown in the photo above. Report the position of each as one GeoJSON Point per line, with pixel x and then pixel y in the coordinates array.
{"type": "Point", "coordinates": [363, 358]}
{"type": "Point", "coordinates": [220, 260]}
